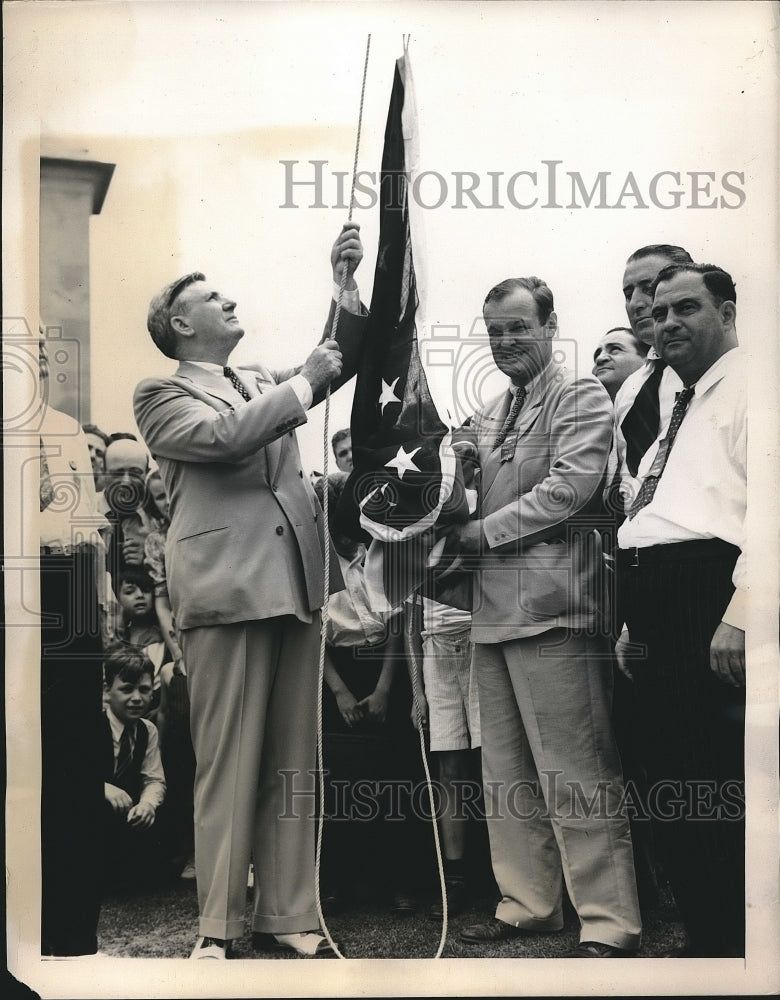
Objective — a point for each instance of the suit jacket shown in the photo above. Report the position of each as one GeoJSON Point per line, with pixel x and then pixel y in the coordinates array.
{"type": "Point", "coordinates": [246, 539]}
{"type": "Point", "coordinates": [543, 568]}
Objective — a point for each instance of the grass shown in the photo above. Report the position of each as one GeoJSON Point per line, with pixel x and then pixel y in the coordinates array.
{"type": "Point", "coordinates": [163, 924]}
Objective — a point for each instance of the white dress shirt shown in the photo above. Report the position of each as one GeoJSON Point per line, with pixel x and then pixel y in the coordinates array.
{"type": "Point", "coordinates": [152, 774]}
{"type": "Point", "coordinates": [702, 491]}
{"type": "Point", "coordinates": [670, 385]}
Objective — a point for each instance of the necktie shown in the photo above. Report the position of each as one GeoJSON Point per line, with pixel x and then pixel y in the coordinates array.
{"type": "Point", "coordinates": [641, 423]}
{"type": "Point", "coordinates": [46, 488]}
{"type": "Point", "coordinates": [125, 753]}
{"type": "Point", "coordinates": [236, 383]}
{"type": "Point", "coordinates": [650, 484]}
{"type": "Point", "coordinates": [518, 399]}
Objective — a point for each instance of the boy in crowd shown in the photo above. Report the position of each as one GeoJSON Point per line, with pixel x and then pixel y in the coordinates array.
{"type": "Point", "coordinates": [132, 769]}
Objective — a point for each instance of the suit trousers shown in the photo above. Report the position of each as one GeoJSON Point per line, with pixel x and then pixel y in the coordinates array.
{"type": "Point", "coordinates": [553, 786]}
{"type": "Point", "coordinates": [253, 697]}
{"type": "Point", "coordinates": [693, 732]}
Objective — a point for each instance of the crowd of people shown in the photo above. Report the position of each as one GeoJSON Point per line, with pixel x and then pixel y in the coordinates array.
{"type": "Point", "coordinates": [587, 691]}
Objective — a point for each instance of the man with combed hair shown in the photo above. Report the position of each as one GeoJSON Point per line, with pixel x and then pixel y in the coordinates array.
{"type": "Point", "coordinates": [540, 649]}
{"type": "Point", "coordinates": [245, 571]}
{"type": "Point", "coordinates": [643, 404]}
{"type": "Point", "coordinates": [341, 442]}
{"type": "Point", "coordinates": [618, 354]}
{"type": "Point", "coordinates": [681, 569]}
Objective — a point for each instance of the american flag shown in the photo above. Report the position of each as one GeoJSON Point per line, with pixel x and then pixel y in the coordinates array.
{"type": "Point", "coordinates": [407, 477]}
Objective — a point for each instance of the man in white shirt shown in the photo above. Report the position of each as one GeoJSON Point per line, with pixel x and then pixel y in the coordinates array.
{"type": "Point", "coordinates": [681, 569]}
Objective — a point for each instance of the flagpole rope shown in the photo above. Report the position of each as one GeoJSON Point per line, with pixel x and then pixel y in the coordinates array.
{"type": "Point", "coordinates": [326, 506]}
{"type": "Point", "coordinates": [326, 597]}
{"type": "Point", "coordinates": [412, 654]}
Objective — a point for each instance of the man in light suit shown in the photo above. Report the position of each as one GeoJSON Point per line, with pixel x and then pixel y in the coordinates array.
{"type": "Point", "coordinates": [551, 771]}
{"type": "Point", "coordinates": [246, 575]}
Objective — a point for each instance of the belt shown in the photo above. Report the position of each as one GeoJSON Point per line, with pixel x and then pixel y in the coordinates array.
{"type": "Point", "coordinates": [703, 548]}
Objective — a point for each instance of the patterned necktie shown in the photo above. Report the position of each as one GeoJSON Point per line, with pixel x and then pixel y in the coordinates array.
{"type": "Point", "coordinates": [125, 753]}
{"type": "Point", "coordinates": [518, 399]}
{"type": "Point", "coordinates": [641, 424]}
{"type": "Point", "coordinates": [240, 388]}
{"type": "Point", "coordinates": [46, 488]}
{"type": "Point", "coordinates": [650, 484]}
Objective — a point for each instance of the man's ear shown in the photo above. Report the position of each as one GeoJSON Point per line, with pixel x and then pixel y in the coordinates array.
{"type": "Point", "coordinates": [180, 326]}
{"type": "Point", "coordinates": [551, 326]}
{"type": "Point", "coordinates": [728, 312]}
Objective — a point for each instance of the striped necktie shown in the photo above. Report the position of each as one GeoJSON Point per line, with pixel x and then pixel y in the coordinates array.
{"type": "Point", "coordinates": [650, 484]}
{"type": "Point", "coordinates": [518, 398]}
{"type": "Point", "coordinates": [125, 755]}
{"type": "Point", "coordinates": [240, 388]}
{"type": "Point", "coordinates": [46, 488]}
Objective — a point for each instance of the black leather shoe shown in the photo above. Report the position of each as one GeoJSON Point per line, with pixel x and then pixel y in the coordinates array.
{"type": "Point", "coordinates": [403, 903]}
{"type": "Point", "coordinates": [596, 949]}
{"type": "Point", "coordinates": [457, 898]}
{"type": "Point", "coordinates": [491, 930]}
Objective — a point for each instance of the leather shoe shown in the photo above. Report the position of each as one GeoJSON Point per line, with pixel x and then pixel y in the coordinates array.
{"type": "Point", "coordinates": [307, 944]}
{"type": "Point", "coordinates": [491, 930]}
{"type": "Point", "coordinates": [208, 947]}
{"type": "Point", "coordinates": [456, 901]}
{"type": "Point", "coordinates": [403, 903]}
{"type": "Point", "coordinates": [597, 949]}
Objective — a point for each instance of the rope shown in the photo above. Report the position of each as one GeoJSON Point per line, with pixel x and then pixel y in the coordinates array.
{"type": "Point", "coordinates": [326, 448]}
{"type": "Point", "coordinates": [412, 654]}
{"type": "Point", "coordinates": [410, 650]}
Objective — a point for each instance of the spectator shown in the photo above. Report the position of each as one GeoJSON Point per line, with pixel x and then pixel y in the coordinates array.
{"type": "Point", "coordinates": [133, 773]}
{"type": "Point", "coordinates": [682, 566]}
{"type": "Point", "coordinates": [97, 442]}
{"type": "Point", "coordinates": [126, 503]}
{"type": "Point", "coordinates": [72, 578]}
{"type": "Point", "coordinates": [368, 739]}
{"type": "Point", "coordinates": [173, 715]}
{"type": "Point", "coordinates": [154, 561]}
{"type": "Point", "coordinates": [618, 354]}
{"type": "Point", "coordinates": [643, 404]}
{"type": "Point", "coordinates": [448, 705]}
{"type": "Point", "coordinates": [341, 442]}
{"type": "Point", "coordinates": [139, 626]}
{"type": "Point", "coordinates": [540, 647]}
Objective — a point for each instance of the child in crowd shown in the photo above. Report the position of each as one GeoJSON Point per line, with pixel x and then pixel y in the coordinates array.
{"type": "Point", "coordinates": [139, 626]}
{"type": "Point", "coordinates": [133, 772]}
{"type": "Point", "coordinates": [447, 703]}
{"type": "Point", "coordinates": [173, 716]}
{"type": "Point", "coordinates": [369, 746]}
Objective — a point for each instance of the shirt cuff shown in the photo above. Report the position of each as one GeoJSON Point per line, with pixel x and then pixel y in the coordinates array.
{"type": "Point", "coordinates": [301, 386]}
{"type": "Point", "coordinates": [350, 300]}
{"type": "Point", "coordinates": [736, 613]}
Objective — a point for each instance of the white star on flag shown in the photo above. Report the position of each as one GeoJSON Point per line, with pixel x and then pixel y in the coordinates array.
{"type": "Point", "coordinates": [403, 462]}
{"type": "Point", "coordinates": [388, 395]}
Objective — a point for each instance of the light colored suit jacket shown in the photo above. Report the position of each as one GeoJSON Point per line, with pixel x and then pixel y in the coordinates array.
{"type": "Point", "coordinates": [246, 539]}
{"type": "Point", "coordinates": [543, 568]}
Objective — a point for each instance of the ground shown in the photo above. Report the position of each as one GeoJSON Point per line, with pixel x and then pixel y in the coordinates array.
{"type": "Point", "coordinates": [163, 924]}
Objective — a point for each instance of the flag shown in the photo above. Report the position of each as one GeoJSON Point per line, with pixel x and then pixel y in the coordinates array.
{"type": "Point", "coordinates": [407, 476]}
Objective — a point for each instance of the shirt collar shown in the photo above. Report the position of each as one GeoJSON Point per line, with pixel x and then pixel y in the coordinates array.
{"type": "Point", "coordinates": [531, 386]}
{"type": "Point", "coordinates": [209, 366]}
{"type": "Point", "coordinates": [716, 371]}
{"type": "Point", "coordinates": [117, 727]}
